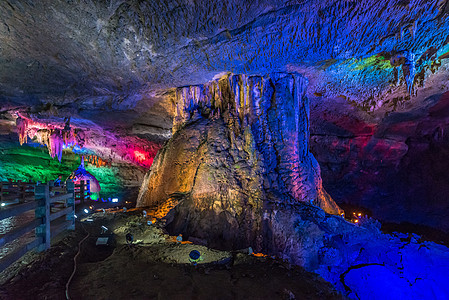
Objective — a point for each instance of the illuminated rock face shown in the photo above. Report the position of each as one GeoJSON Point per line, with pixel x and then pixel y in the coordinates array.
{"type": "Point", "coordinates": [239, 143]}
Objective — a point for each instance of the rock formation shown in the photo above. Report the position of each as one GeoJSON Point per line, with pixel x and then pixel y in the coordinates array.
{"type": "Point", "coordinates": [240, 171]}
{"type": "Point", "coordinates": [239, 143]}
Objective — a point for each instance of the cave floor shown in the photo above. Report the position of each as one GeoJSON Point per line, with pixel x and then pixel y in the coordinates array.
{"type": "Point", "coordinates": [155, 266]}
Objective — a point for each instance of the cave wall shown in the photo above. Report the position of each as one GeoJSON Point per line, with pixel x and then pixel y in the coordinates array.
{"type": "Point", "coordinates": [395, 167]}
{"type": "Point", "coordinates": [105, 49]}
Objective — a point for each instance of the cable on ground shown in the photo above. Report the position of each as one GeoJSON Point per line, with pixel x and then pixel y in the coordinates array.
{"type": "Point", "coordinates": [74, 261]}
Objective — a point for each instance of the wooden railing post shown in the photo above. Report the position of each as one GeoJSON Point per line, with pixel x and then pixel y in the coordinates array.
{"type": "Point", "coordinates": [88, 189]}
{"type": "Point", "coordinates": [82, 191]}
{"type": "Point", "coordinates": [1, 192]}
{"type": "Point", "coordinates": [71, 203]}
{"type": "Point", "coordinates": [22, 188]}
{"type": "Point", "coordinates": [42, 195]}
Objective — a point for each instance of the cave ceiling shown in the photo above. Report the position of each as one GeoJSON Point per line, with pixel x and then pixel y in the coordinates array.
{"type": "Point", "coordinates": [115, 63]}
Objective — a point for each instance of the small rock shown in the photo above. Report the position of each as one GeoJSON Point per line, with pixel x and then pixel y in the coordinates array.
{"type": "Point", "coordinates": [288, 295]}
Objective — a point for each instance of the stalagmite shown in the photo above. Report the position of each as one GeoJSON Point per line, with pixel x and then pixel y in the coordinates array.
{"type": "Point", "coordinates": [255, 153]}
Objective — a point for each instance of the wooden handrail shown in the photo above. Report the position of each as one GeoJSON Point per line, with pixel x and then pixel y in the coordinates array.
{"type": "Point", "coordinates": [21, 191]}
{"type": "Point", "coordinates": [60, 197]}
{"type": "Point", "coordinates": [18, 232]}
{"type": "Point", "coordinates": [43, 222]}
{"type": "Point", "coordinates": [60, 213]}
{"type": "Point", "coordinates": [18, 209]}
{"type": "Point", "coordinates": [10, 196]}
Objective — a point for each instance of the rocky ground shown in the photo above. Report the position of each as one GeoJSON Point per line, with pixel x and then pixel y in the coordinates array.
{"type": "Point", "coordinates": [155, 266]}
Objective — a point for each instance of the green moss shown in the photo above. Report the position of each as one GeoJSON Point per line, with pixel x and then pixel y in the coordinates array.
{"type": "Point", "coordinates": [94, 196]}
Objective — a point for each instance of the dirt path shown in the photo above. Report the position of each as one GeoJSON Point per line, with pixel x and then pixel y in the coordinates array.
{"type": "Point", "coordinates": [155, 266]}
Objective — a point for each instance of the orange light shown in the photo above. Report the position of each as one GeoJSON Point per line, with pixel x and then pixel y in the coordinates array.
{"type": "Point", "coordinates": [260, 255]}
{"type": "Point", "coordinates": [359, 214]}
{"type": "Point", "coordinates": [356, 221]}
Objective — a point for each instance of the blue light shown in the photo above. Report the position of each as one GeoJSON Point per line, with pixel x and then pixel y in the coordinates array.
{"type": "Point", "coordinates": [114, 200]}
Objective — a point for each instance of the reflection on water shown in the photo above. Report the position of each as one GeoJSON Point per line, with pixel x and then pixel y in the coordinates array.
{"type": "Point", "coordinates": [9, 224]}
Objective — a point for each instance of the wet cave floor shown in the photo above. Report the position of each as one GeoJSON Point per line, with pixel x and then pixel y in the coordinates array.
{"type": "Point", "coordinates": [155, 266]}
{"type": "Point", "coordinates": [425, 233]}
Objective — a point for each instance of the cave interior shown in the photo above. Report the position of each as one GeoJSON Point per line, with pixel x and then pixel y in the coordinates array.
{"type": "Point", "coordinates": [311, 131]}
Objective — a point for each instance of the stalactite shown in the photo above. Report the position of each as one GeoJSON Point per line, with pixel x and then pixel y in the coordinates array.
{"type": "Point", "coordinates": [56, 144]}
{"type": "Point", "coordinates": [80, 137]}
{"type": "Point", "coordinates": [96, 161]}
{"type": "Point", "coordinates": [22, 127]}
{"type": "Point", "coordinates": [59, 136]}
{"type": "Point", "coordinates": [56, 139]}
{"type": "Point", "coordinates": [410, 77]}
{"type": "Point", "coordinates": [43, 136]}
{"type": "Point", "coordinates": [68, 137]}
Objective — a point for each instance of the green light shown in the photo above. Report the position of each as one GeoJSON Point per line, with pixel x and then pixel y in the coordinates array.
{"type": "Point", "coordinates": [94, 196]}
{"type": "Point", "coordinates": [35, 164]}
{"type": "Point", "coordinates": [374, 61]}
{"type": "Point", "coordinates": [107, 177]}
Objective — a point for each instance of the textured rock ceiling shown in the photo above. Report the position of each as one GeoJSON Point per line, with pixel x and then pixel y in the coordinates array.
{"type": "Point", "coordinates": [115, 63]}
{"type": "Point", "coordinates": [112, 54]}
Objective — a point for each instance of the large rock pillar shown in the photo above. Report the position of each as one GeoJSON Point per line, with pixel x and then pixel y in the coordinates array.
{"type": "Point", "coordinates": [238, 144]}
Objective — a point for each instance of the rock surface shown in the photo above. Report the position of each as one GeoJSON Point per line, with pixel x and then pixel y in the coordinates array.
{"type": "Point", "coordinates": [396, 168]}
{"type": "Point", "coordinates": [358, 259]}
{"type": "Point", "coordinates": [72, 50]}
